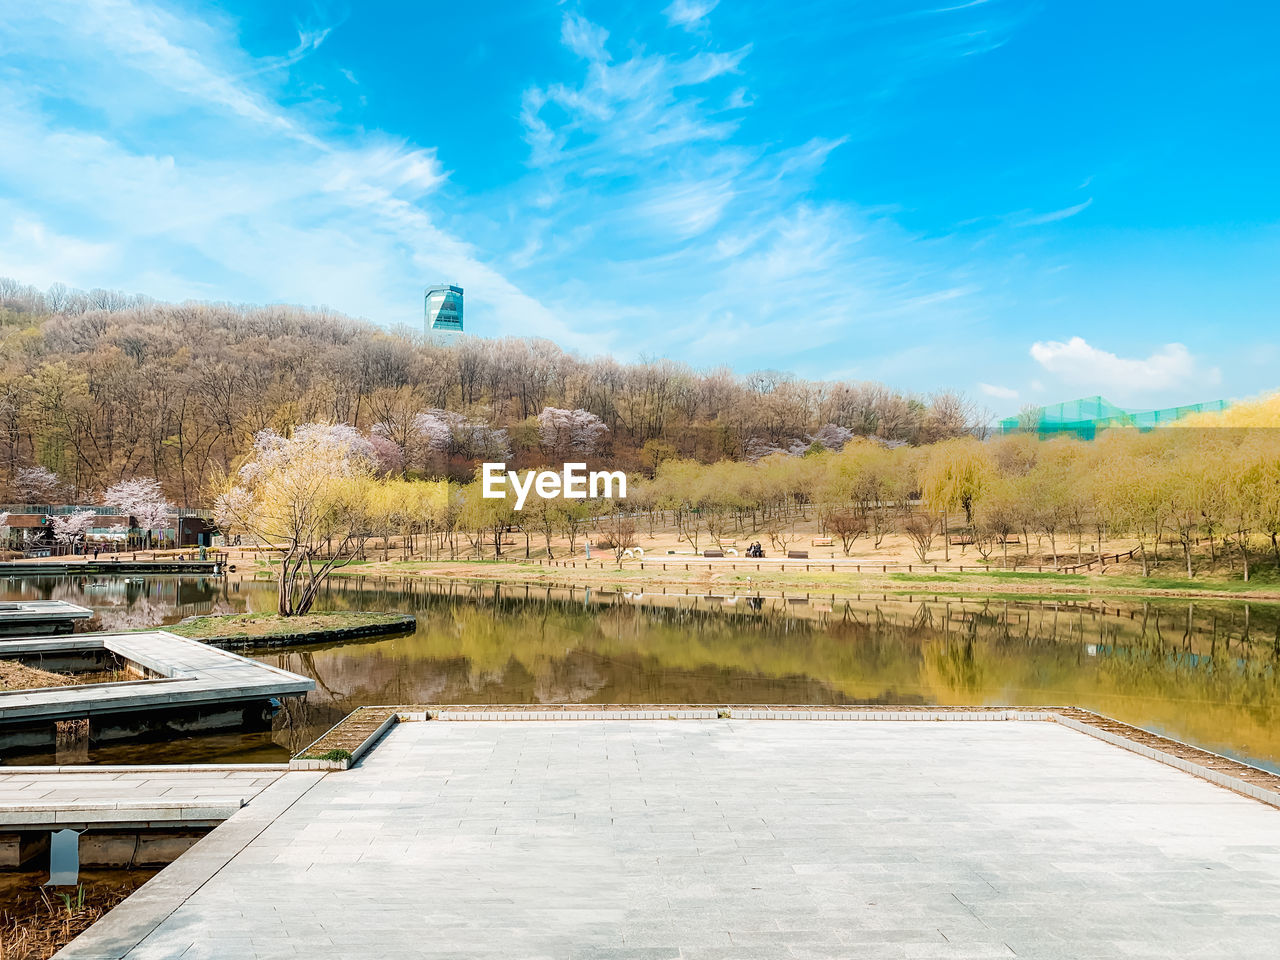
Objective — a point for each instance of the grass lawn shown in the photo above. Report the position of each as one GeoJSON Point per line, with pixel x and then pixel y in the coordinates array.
{"type": "Point", "coordinates": [274, 625]}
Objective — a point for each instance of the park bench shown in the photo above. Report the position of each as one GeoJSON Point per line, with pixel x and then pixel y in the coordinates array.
{"type": "Point", "coordinates": [823, 542]}
{"type": "Point", "coordinates": [727, 543]}
{"type": "Point", "coordinates": [713, 553]}
{"type": "Point", "coordinates": [961, 540]}
{"type": "Point", "coordinates": [797, 554]}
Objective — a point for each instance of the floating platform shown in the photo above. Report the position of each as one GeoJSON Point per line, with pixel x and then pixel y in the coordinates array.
{"type": "Point", "coordinates": [174, 673]}
{"type": "Point", "coordinates": [63, 568]}
{"type": "Point", "coordinates": [39, 617]}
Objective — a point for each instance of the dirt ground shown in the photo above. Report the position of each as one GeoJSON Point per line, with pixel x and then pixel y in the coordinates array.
{"type": "Point", "coordinates": [36, 922]}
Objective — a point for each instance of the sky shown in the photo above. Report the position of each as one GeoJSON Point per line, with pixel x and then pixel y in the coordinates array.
{"type": "Point", "coordinates": [1026, 200]}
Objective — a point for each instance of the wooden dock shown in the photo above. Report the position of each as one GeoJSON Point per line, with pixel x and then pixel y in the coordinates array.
{"type": "Point", "coordinates": [71, 567]}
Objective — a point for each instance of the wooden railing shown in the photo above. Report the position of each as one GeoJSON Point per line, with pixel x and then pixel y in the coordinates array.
{"type": "Point", "coordinates": [782, 564]}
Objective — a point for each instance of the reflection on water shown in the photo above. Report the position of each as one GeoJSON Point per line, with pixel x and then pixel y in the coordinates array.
{"type": "Point", "coordinates": [130, 603]}
{"type": "Point", "coordinates": [1204, 672]}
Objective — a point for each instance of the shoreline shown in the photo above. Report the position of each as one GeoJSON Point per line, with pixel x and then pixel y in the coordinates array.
{"type": "Point", "coordinates": [840, 584]}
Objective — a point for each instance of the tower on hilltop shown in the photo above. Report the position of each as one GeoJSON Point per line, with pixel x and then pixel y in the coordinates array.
{"type": "Point", "coordinates": [442, 308]}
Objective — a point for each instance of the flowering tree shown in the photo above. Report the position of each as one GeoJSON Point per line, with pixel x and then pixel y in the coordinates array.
{"type": "Point", "coordinates": [72, 528]}
{"type": "Point", "coordinates": [36, 484]}
{"type": "Point", "coordinates": [832, 436]}
{"type": "Point", "coordinates": [143, 500]}
{"type": "Point", "coordinates": [388, 456]}
{"type": "Point", "coordinates": [474, 439]}
{"type": "Point", "coordinates": [431, 429]}
{"type": "Point", "coordinates": [564, 432]}
{"type": "Point", "coordinates": [300, 494]}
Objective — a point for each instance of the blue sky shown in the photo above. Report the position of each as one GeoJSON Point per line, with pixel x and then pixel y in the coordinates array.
{"type": "Point", "coordinates": [1028, 201]}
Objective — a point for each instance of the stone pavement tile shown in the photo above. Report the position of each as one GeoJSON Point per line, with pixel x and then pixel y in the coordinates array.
{"type": "Point", "coordinates": [726, 839]}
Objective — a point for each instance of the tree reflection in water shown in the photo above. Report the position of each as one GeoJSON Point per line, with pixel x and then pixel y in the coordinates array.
{"type": "Point", "coordinates": [1204, 672]}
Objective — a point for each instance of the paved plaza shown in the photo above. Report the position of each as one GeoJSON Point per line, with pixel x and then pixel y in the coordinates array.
{"type": "Point", "coordinates": [711, 839]}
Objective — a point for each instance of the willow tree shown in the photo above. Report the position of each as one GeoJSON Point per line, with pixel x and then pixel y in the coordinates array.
{"type": "Point", "coordinates": [952, 477]}
{"type": "Point", "coordinates": [312, 496]}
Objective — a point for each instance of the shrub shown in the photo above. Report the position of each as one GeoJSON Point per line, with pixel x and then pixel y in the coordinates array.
{"type": "Point", "coordinates": [335, 755]}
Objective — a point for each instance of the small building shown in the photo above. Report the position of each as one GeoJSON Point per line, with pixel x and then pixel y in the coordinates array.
{"type": "Point", "coordinates": [29, 527]}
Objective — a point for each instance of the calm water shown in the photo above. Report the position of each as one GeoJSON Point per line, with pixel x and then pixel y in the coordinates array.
{"type": "Point", "coordinates": [1203, 672]}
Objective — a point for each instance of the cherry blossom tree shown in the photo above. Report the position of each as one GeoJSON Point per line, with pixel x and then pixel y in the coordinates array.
{"type": "Point", "coordinates": [432, 431]}
{"type": "Point", "coordinates": [72, 528]}
{"type": "Point", "coordinates": [570, 432]}
{"type": "Point", "coordinates": [447, 431]}
{"type": "Point", "coordinates": [36, 484]}
{"type": "Point", "coordinates": [302, 494]}
{"type": "Point", "coordinates": [832, 436]}
{"type": "Point", "coordinates": [143, 500]}
{"type": "Point", "coordinates": [388, 456]}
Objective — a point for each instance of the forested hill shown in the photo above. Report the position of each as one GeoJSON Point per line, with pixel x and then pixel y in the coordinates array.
{"type": "Point", "coordinates": [100, 387]}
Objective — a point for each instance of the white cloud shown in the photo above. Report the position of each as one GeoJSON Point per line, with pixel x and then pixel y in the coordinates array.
{"type": "Point", "coordinates": [1000, 393]}
{"type": "Point", "coordinates": [641, 171]}
{"type": "Point", "coordinates": [690, 14]}
{"type": "Point", "coordinates": [1079, 364]}
{"type": "Point", "coordinates": [583, 37]}
{"type": "Point", "coordinates": [204, 185]}
{"type": "Point", "coordinates": [1055, 215]}
{"type": "Point", "coordinates": [33, 253]}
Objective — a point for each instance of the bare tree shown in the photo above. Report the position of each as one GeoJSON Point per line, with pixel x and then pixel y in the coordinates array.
{"type": "Point", "coordinates": [848, 526]}
{"type": "Point", "coordinates": [618, 530]}
{"type": "Point", "coordinates": [921, 530]}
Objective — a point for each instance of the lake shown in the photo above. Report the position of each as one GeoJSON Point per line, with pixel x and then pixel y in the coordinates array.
{"type": "Point", "coordinates": [1202, 672]}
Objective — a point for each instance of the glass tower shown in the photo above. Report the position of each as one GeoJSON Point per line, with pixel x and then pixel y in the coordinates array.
{"type": "Point", "coordinates": [443, 308]}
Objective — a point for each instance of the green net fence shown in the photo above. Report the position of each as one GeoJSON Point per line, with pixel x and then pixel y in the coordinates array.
{"type": "Point", "coordinates": [1083, 418]}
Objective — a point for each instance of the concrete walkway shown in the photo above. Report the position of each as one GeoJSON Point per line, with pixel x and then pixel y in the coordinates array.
{"type": "Point", "coordinates": [55, 798]}
{"type": "Point", "coordinates": [30, 617]}
{"type": "Point", "coordinates": [719, 839]}
{"type": "Point", "coordinates": [189, 674]}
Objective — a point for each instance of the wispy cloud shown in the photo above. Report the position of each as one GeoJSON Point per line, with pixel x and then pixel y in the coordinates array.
{"type": "Point", "coordinates": [690, 14]}
{"type": "Point", "coordinates": [1055, 215]}
{"type": "Point", "coordinates": [639, 149]}
{"type": "Point", "coordinates": [959, 6]}
{"type": "Point", "coordinates": [1000, 393]}
{"type": "Point", "coordinates": [583, 37]}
